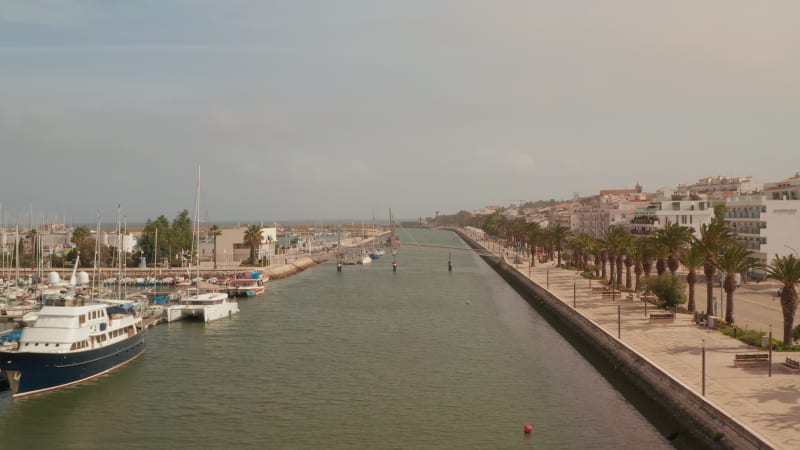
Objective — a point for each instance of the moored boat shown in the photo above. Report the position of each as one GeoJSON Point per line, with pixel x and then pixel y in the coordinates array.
{"type": "Point", "coordinates": [70, 344]}
{"type": "Point", "coordinates": [206, 301]}
{"type": "Point", "coordinates": [208, 306]}
{"type": "Point", "coordinates": [252, 283]}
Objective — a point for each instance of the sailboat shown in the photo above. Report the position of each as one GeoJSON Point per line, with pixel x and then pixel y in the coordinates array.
{"type": "Point", "coordinates": [205, 301]}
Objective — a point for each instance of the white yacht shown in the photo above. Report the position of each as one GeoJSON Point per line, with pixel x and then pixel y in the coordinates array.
{"type": "Point", "coordinates": [207, 306]}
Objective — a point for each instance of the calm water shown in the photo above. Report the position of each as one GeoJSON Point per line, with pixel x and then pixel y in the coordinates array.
{"type": "Point", "coordinates": [362, 359]}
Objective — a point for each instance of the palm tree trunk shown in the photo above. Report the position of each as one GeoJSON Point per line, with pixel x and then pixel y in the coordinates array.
{"type": "Point", "coordinates": [603, 267]}
{"type": "Point", "coordinates": [730, 287]}
{"type": "Point", "coordinates": [215, 253]}
{"type": "Point", "coordinates": [661, 266]}
{"type": "Point", "coordinates": [708, 270]}
{"type": "Point", "coordinates": [638, 270]}
{"type": "Point", "coordinates": [611, 269]}
{"type": "Point", "coordinates": [628, 279]}
{"type": "Point", "coordinates": [789, 306]}
{"type": "Point", "coordinates": [691, 279]}
{"type": "Point", "coordinates": [673, 264]}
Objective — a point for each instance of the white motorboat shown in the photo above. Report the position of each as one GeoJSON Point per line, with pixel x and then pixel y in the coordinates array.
{"type": "Point", "coordinates": [206, 306]}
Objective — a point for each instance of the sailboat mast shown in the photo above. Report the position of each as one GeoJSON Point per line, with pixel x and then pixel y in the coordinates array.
{"type": "Point", "coordinates": [155, 257]}
{"type": "Point", "coordinates": [16, 250]}
{"type": "Point", "coordinates": [96, 255]}
{"type": "Point", "coordinates": [119, 249]}
{"type": "Point", "coordinates": [196, 229]}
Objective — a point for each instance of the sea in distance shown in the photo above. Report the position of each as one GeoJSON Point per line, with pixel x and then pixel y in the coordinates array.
{"type": "Point", "coordinates": [368, 358]}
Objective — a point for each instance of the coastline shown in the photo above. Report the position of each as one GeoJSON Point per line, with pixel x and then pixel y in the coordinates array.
{"type": "Point", "coordinates": [640, 367]}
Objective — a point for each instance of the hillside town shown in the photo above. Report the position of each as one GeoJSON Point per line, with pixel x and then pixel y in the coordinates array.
{"type": "Point", "coordinates": [764, 215]}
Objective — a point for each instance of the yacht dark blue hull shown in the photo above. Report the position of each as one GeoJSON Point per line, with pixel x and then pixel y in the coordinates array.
{"type": "Point", "coordinates": [32, 373]}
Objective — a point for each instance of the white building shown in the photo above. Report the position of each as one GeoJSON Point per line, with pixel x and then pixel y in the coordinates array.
{"type": "Point", "coordinates": [766, 227]}
{"type": "Point", "coordinates": [232, 250]}
{"type": "Point", "coordinates": [658, 213]}
{"type": "Point", "coordinates": [127, 242]}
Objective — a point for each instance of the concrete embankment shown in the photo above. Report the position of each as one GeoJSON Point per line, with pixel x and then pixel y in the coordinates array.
{"type": "Point", "coordinates": [671, 406]}
{"type": "Point", "coordinates": [293, 267]}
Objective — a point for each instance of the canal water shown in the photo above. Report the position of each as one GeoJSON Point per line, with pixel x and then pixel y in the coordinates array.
{"type": "Point", "coordinates": [421, 358]}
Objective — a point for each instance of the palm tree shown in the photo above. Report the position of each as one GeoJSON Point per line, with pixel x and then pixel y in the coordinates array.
{"type": "Point", "coordinates": [601, 255]}
{"type": "Point", "coordinates": [80, 234]}
{"type": "Point", "coordinates": [673, 238]}
{"type": "Point", "coordinates": [614, 239]}
{"type": "Point", "coordinates": [733, 259]}
{"type": "Point", "coordinates": [623, 248]}
{"type": "Point", "coordinates": [712, 238]}
{"type": "Point", "coordinates": [636, 256]}
{"type": "Point", "coordinates": [533, 236]}
{"type": "Point", "coordinates": [558, 235]}
{"type": "Point", "coordinates": [214, 231]}
{"type": "Point", "coordinates": [786, 270]}
{"type": "Point", "coordinates": [693, 259]}
{"type": "Point", "coordinates": [253, 237]}
{"type": "Point", "coordinates": [31, 236]}
{"type": "Point", "coordinates": [580, 244]}
{"type": "Point", "coordinates": [660, 253]}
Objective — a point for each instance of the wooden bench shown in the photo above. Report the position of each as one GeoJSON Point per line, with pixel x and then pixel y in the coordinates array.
{"type": "Point", "coordinates": [751, 359]}
{"type": "Point", "coordinates": [662, 318]}
{"type": "Point", "coordinates": [792, 364]}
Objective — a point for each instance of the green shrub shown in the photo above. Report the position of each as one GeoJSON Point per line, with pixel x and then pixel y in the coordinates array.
{"type": "Point", "coordinates": [753, 337]}
{"type": "Point", "coordinates": [669, 289]}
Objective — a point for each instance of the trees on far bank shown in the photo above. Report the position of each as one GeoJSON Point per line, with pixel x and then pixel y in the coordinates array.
{"type": "Point", "coordinates": [173, 238]}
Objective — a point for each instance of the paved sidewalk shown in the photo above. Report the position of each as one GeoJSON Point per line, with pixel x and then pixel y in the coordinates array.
{"type": "Point", "coordinates": [770, 406]}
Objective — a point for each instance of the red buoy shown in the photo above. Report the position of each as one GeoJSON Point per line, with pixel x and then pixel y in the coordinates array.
{"type": "Point", "coordinates": [528, 428]}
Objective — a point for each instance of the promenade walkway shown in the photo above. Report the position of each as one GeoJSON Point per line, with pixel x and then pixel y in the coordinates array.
{"type": "Point", "coordinates": [769, 406]}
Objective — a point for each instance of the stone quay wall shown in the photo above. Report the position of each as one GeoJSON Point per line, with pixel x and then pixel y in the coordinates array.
{"type": "Point", "coordinates": [672, 400]}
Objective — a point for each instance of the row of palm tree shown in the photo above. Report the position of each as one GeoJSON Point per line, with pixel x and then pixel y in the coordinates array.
{"type": "Point", "coordinates": [715, 249]}
{"type": "Point", "coordinates": [529, 235]}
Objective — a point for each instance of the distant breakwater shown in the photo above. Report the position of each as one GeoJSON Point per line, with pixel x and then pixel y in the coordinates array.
{"type": "Point", "coordinates": [275, 271]}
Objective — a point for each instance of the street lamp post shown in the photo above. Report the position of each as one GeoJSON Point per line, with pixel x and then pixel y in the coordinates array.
{"type": "Point", "coordinates": [792, 249]}
{"type": "Point", "coordinates": [770, 350]}
{"type": "Point", "coordinates": [704, 368]}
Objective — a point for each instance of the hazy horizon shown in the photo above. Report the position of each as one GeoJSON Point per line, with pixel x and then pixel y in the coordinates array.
{"type": "Point", "coordinates": [314, 109]}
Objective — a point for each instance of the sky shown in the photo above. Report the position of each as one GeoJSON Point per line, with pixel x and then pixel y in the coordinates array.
{"type": "Point", "coordinates": [325, 110]}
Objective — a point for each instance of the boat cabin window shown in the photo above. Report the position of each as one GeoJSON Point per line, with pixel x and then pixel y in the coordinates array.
{"type": "Point", "coordinates": [82, 319]}
{"type": "Point", "coordinates": [78, 345]}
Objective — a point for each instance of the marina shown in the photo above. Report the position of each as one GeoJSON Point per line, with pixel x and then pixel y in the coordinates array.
{"type": "Point", "coordinates": [438, 360]}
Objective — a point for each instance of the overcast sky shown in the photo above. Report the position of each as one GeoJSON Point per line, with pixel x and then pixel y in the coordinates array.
{"type": "Point", "coordinates": [332, 109]}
